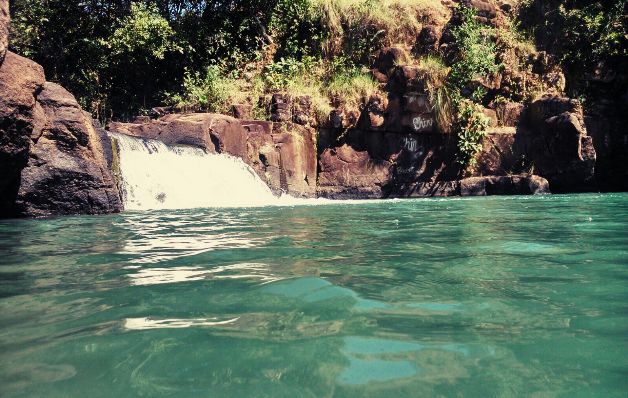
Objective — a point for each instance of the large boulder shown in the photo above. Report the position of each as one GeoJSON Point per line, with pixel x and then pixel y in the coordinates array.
{"type": "Point", "coordinates": [283, 155]}
{"type": "Point", "coordinates": [213, 132]}
{"type": "Point", "coordinates": [347, 173]}
{"type": "Point", "coordinates": [20, 82]}
{"type": "Point", "coordinates": [504, 185]}
{"type": "Point", "coordinates": [51, 157]}
{"type": "Point", "coordinates": [428, 39]}
{"type": "Point", "coordinates": [67, 171]}
{"type": "Point", "coordinates": [4, 28]}
{"type": "Point", "coordinates": [556, 143]}
{"type": "Point", "coordinates": [382, 164]}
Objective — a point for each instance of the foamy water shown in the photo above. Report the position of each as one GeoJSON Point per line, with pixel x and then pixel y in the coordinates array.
{"type": "Point", "coordinates": [158, 176]}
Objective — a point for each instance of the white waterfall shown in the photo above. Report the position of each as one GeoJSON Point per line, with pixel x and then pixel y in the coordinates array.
{"type": "Point", "coordinates": [156, 176]}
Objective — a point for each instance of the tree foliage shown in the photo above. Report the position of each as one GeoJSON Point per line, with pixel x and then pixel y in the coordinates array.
{"type": "Point", "coordinates": [122, 57]}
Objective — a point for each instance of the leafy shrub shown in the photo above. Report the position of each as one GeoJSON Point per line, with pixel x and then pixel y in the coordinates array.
{"type": "Point", "coordinates": [211, 92]}
{"type": "Point", "coordinates": [585, 35]}
{"type": "Point", "coordinates": [476, 56]}
{"type": "Point", "coordinates": [144, 33]}
{"type": "Point", "coordinates": [471, 129]}
{"type": "Point", "coordinates": [293, 25]}
{"type": "Point", "coordinates": [279, 75]}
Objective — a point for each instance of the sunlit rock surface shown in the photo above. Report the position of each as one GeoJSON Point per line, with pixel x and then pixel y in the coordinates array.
{"type": "Point", "coordinates": [51, 157]}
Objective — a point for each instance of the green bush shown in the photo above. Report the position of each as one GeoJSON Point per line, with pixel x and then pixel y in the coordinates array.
{"type": "Point", "coordinates": [476, 55]}
{"type": "Point", "coordinates": [212, 92]}
{"type": "Point", "coordinates": [471, 129]}
{"type": "Point", "coordinates": [585, 35]}
{"type": "Point", "coordinates": [143, 35]}
{"type": "Point", "coordinates": [476, 59]}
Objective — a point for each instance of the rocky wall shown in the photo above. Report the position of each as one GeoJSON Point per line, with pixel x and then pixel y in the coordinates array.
{"type": "Point", "coordinates": [51, 156]}
{"type": "Point", "coordinates": [4, 28]}
{"type": "Point", "coordinates": [283, 154]}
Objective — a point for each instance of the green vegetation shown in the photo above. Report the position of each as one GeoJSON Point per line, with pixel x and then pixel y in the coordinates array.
{"type": "Point", "coordinates": [585, 35]}
{"type": "Point", "coordinates": [476, 56]}
{"type": "Point", "coordinates": [121, 57]}
{"type": "Point", "coordinates": [471, 127]}
{"type": "Point", "coordinates": [353, 28]}
{"type": "Point", "coordinates": [210, 91]}
{"type": "Point", "coordinates": [475, 62]}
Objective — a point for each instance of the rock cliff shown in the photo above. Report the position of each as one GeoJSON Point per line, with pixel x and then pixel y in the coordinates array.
{"type": "Point", "coordinates": [4, 28]}
{"type": "Point", "coordinates": [56, 160]}
{"type": "Point", "coordinates": [51, 156]}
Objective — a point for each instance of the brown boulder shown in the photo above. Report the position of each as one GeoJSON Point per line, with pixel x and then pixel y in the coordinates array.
{"type": "Point", "coordinates": [296, 146]}
{"type": "Point", "coordinates": [212, 132]}
{"type": "Point", "coordinates": [550, 105]}
{"type": "Point", "coordinates": [428, 39]}
{"type": "Point", "coordinates": [373, 116]}
{"type": "Point", "coordinates": [283, 155]}
{"type": "Point", "coordinates": [347, 173]}
{"type": "Point", "coordinates": [4, 28]}
{"type": "Point", "coordinates": [497, 156]}
{"type": "Point", "coordinates": [509, 113]}
{"type": "Point", "coordinates": [389, 57]}
{"type": "Point", "coordinates": [491, 115]}
{"type": "Point", "coordinates": [406, 78]}
{"type": "Point", "coordinates": [379, 76]}
{"type": "Point", "coordinates": [20, 82]}
{"type": "Point", "coordinates": [555, 141]}
{"type": "Point", "coordinates": [281, 108]}
{"type": "Point", "coordinates": [67, 172]}
{"type": "Point", "coordinates": [262, 154]}
{"type": "Point", "coordinates": [302, 111]}
{"type": "Point", "coordinates": [504, 185]}
{"type": "Point", "coordinates": [241, 111]}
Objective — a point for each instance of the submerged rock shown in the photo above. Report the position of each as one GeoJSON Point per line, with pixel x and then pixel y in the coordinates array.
{"type": "Point", "coordinates": [504, 185]}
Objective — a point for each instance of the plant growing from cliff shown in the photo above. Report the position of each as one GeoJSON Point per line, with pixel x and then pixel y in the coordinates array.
{"type": "Point", "coordinates": [471, 127]}
{"type": "Point", "coordinates": [211, 91]}
{"type": "Point", "coordinates": [356, 28]}
{"type": "Point", "coordinates": [434, 73]}
{"type": "Point", "coordinates": [294, 26]}
{"type": "Point", "coordinates": [476, 56]}
{"type": "Point", "coordinates": [475, 60]}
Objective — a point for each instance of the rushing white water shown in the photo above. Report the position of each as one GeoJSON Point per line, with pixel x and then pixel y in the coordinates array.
{"type": "Point", "coordinates": [157, 176]}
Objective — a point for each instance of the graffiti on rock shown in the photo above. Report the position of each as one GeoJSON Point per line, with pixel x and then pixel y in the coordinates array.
{"type": "Point", "coordinates": [422, 123]}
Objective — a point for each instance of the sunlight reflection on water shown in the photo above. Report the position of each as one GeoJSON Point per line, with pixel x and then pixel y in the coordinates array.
{"type": "Point", "coordinates": [148, 323]}
{"type": "Point", "coordinates": [155, 276]}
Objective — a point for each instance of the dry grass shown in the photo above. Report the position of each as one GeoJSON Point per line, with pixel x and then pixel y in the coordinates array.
{"type": "Point", "coordinates": [396, 21]}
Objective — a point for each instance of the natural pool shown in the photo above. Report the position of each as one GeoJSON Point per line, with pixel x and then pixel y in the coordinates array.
{"type": "Point", "coordinates": [483, 297]}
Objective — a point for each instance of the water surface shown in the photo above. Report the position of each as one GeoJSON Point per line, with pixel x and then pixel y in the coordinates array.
{"type": "Point", "coordinates": [484, 297]}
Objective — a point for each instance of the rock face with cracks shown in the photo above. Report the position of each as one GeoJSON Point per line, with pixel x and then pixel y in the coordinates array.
{"type": "Point", "coordinates": [50, 153]}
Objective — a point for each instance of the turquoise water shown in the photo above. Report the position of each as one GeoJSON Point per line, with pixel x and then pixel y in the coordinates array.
{"type": "Point", "coordinates": [486, 297]}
